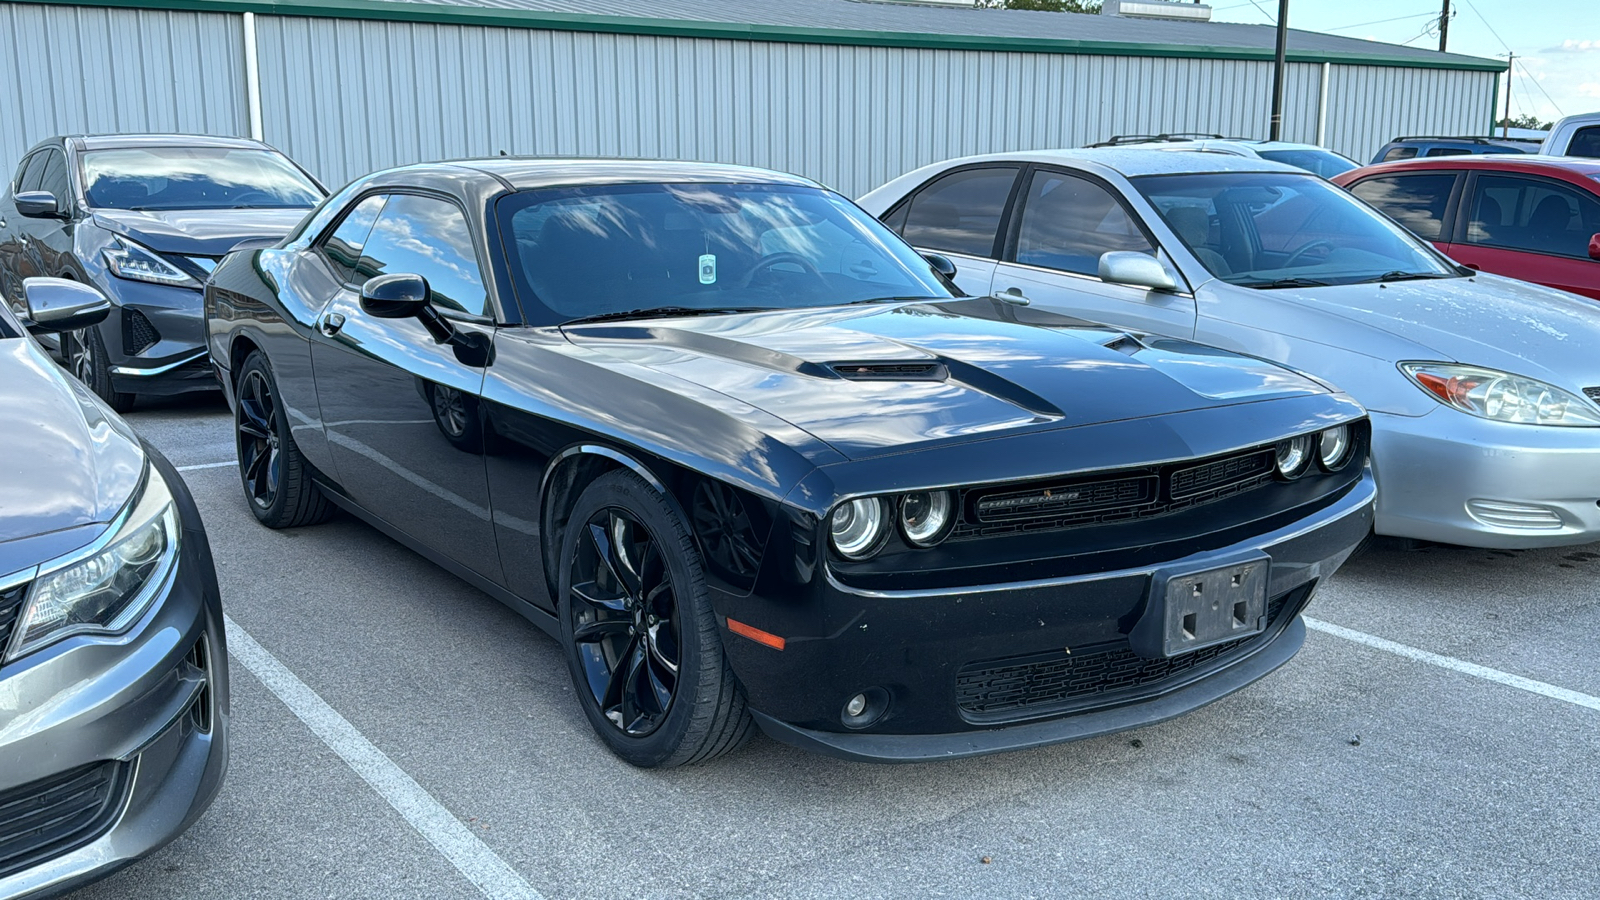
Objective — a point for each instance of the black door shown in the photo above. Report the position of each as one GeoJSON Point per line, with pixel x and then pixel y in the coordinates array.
{"type": "Point", "coordinates": [401, 411]}
{"type": "Point", "coordinates": [12, 232]}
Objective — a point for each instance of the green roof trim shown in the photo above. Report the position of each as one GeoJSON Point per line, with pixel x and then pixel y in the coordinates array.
{"type": "Point", "coordinates": [401, 11]}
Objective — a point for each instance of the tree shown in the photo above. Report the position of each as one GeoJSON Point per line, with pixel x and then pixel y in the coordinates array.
{"type": "Point", "coordinates": [1527, 121]}
{"type": "Point", "coordinates": [1071, 6]}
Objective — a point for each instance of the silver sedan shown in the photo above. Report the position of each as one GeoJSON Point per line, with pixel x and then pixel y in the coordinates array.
{"type": "Point", "coordinates": [1484, 391]}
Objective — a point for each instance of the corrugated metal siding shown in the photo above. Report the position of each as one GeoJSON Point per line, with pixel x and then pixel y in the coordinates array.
{"type": "Point", "coordinates": [82, 69]}
{"type": "Point", "coordinates": [347, 96]}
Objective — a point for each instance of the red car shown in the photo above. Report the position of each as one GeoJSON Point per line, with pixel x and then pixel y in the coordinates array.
{"type": "Point", "coordinates": [1536, 218]}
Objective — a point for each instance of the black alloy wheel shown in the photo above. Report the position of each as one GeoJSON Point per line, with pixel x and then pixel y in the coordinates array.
{"type": "Point", "coordinates": [642, 643]}
{"type": "Point", "coordinates": [84, 355]}
{"type": "Point", "coordinates": [276, 479]}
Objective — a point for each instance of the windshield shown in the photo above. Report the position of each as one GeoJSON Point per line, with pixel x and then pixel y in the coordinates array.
{"type": "Point", "coordinates": [1280, 229]}
{"type": "Point", "coordinates": [596, 251]}
{"type": "Point", "coordinates": [158, 178]}
{"type": "Point", "coordinates": [1320, 162]}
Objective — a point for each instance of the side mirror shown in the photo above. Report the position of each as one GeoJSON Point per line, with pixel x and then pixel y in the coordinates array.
{"type": "Point", "coordinates": [941, 264]}
{"type": "Point", "coordinates": [38, 205]}
{"type": "Point", "coordinates": [57, 304]}
{"type": "Point", "coordinates": [395, 296]}
{"type": "Point", "coordinates": [1594, 247]}
{"type": "Point", "coordinates": [1135, 270]}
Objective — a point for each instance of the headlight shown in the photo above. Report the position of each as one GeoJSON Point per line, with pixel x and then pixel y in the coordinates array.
{"type": "Point", "coordinates": [1333, 447]}
{"type": "Point", "coordinates": [106, 588]}
{"type": "Point", "coordinates": [1499, 396]}
{"type": "Point", "coordinates": [1294, 456]}
{"type": "Point", "coordinates": [857, 527]}
{"type": "Point", "coordinates": [129, 260]}
{"type": "Point", "coordinates": [925, 516]}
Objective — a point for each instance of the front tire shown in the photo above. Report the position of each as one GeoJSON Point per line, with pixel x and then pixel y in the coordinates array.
{"type": "Point", "coordinates": [84, 353]}
{"type": "Point", "coordinates": [641, 640]}
{"type": "Point", "coordinates": [276, 479]}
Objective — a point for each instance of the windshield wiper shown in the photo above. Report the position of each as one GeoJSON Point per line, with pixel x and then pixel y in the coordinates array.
{"type": "Point", "coordinates": [1405, 276]}
{"type": "Point", "coordinates": [1283, 283]}
{"type": "Point", "coordinates": [894, 300]}
{"type": "Point", "coordinates": [663, 312]}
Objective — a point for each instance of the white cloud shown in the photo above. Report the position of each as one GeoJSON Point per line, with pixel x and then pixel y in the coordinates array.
{"type": "Point", "coordinates": [1576, 46]}
{"type": "Point", "coordinates": [1589, 89]}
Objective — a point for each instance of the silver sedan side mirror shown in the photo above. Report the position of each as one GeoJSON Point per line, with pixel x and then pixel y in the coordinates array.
{"type": "Point", "coordinates": [57, 304]}
{"type": "Point", "coordinates": [1136, 270]}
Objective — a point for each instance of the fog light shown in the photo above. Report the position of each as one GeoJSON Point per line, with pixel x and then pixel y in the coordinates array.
{"type": "Point", "coordinates": [865, 708]}
{"type": "Point", "coordinates": [856, 706]}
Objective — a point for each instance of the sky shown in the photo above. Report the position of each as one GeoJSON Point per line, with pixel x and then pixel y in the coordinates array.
{"type": "Point", "coordinates": [1557, 42]}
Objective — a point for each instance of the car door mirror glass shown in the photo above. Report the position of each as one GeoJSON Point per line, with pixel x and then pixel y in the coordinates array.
{"type": "Point", "coordinates": [941, 264]}
{"type": "Point", "coordinates": [57, 304]}
{"type": "Point", "coordinates": [397, 296]}
{"type": "Point", "coordinates": [38, 205]}
{"type": "Point", "coordinates": [1135, 270]}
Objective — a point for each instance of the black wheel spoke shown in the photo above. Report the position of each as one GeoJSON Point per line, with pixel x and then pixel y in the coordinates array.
{"type": "Point", "coordinates": [592, 632]}
{"type": "Point", "coordinates": [260, 457]}
{"type": "Point", "coordinates": [589, 593]}
{"type": "Point", "coordinates": [620, 530]}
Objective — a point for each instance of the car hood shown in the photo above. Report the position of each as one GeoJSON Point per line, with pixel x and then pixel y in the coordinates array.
{"type": "Point", "coordinates": [68, 462]}
{"type": "Point", "coordinates": [198, 232]}
{"type": "Point", "coordinates": [871, 378]}
{"type": "Point", "coordinates": [1486, 320]}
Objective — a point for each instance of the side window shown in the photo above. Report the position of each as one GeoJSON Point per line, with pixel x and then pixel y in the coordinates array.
{"type": "Point", "coordinates": [429, 237]}
{"type": "Point", "coordinates": [28, 173]}
{"type": "Point", "coordinates": [1415, 201]}
{"type": "Point", "coordinates": [1399, 153]}
{"type": "Point", "coordinates": [960, 213]}
{"type": "Point", "coordinates": [1448, 151]}
{"type": "Point", "coordinates": [896, 218]}
{"type": "Point", "coordinates": [342, 249]}
{"type": "Point", "coordinates": [53, 178]}
{"type": "Point", "coordinates": [1585, 143]}
{"type": "Point", "coordinates": [1532, 214]}
{"type": "Point", "coordinates": [1068, 222]}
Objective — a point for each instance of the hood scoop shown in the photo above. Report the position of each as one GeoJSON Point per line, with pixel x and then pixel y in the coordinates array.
{"type": "Point", "coordinates": [915, 370]}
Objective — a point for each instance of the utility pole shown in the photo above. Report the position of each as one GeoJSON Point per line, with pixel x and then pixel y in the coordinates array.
{"type": "Point", "coordinates": [1280, 69]}
{"type": "Point", "coordinates": [1444, 26]}
{"type": "Point", "coordinates": [1505, 125]}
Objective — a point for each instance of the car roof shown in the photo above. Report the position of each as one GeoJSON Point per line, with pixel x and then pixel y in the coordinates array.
{"type": "Point", "coordinates": [123, 141]}
{"type": "Point", "coordinates": [528, 172]}
{"type": "Point", "coordinates": [1526, 162]}
{"type": "Point", "coordinates": [1142, 159]}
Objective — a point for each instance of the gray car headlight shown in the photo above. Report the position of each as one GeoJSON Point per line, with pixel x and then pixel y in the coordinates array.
{"type": "Point", "coordinates": [108, 586]}
{"type": "Point", "coordinates": [1501, 396]}
{"type": "Point", "coordinates": [134, 262]}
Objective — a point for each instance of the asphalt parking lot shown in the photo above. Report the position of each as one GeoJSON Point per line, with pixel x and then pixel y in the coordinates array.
{"type": "Point", "coordinates": [1471, 769]}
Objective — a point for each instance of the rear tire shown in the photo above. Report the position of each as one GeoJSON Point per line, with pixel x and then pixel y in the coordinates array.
{"type": "Point", "coordinates": [641, 640]}
{"type": "Point", "coordinates": [276, 479]}
{"type": "Point", "coordinates": [84, 355]}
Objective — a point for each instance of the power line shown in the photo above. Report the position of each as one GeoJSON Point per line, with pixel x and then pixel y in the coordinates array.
{"type": "Point", "coordinates": [1513, 61]}
{"type": "Point", "coordinates": [1270, 17]}
{"type": "Point", "coordinates": [1384, 21]}
{"type": "Point", "coordinates": [1540, 87]}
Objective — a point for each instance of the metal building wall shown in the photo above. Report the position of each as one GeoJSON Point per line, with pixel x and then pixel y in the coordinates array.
{"type": "Point", "coordinates": [347, 96]}
{"type": "Point", "coordinates": [85, 69]}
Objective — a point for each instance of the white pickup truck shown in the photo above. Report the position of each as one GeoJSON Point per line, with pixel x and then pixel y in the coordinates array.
{"type": "Point", "coordinates": [1574, 136]}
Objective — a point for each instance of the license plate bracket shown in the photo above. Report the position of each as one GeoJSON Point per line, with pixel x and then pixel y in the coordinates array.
{"type": "Point", "coordinates": [1191, 609]}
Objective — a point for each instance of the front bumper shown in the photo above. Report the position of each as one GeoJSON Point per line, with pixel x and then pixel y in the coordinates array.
{"type": "Point", "coordinates": [145, 706]}
{"type": "Point", "coordinates": [176, 362]}
{"type": "Point", "coordinates": [1457, 479]}
{"type": "Point", "coordinates": [924, 649]}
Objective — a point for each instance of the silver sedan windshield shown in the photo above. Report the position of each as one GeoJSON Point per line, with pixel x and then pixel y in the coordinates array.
{"type": "Point", "coordinates": [1282, 229]}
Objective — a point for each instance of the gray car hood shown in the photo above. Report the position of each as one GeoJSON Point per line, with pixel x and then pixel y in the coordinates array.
{"type": "Point", "coordinates": [198, 232]}
{"type": "Point", "coordinates": [1486, 320]}
{"type": "Point", "coordinates": [67, 465]}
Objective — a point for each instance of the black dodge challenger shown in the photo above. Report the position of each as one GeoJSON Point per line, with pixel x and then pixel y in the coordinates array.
{"type": "Point", "coordinates": [755, 462]}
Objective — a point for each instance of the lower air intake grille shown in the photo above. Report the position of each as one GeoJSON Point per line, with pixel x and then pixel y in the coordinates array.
{"type": "Point", "coordinates": [1221, 474]}
{"type": "Point", "coordinates": [1095, 676]}
{"type": "Point", "coordinates": [10, 608]}
{"type": "Point", "coordinates": [137, 332]}
{"type": "Point", "coordinates": [47, 818]}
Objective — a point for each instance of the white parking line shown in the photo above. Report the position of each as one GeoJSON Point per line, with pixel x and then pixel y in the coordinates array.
{"type": "Point", "coordinates": [471, 856]}
{"type": "Point", "coordinates": [215, 465]}
{"type": "Point", "coordinates": [1457, 665]}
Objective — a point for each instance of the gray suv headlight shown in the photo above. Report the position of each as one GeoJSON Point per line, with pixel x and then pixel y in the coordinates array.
{"type": "Point", "coordinates": [106, 587]}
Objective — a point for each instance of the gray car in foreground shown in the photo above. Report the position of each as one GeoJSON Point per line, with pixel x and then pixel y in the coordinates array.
{"type": "Point", "coordinates": [113, 676]}
{"type": "Point", "coordinates": [1484, 392]}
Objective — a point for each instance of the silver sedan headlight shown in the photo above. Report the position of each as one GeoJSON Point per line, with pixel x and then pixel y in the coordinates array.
{"type": "Point", "coordinates": [108, 586]}
{"type": "Point", "coordinates": [1501, 396]}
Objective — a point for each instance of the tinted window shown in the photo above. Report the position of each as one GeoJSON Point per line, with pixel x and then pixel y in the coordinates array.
{"type": "Point", "coordinates": [1400, 153]}
{"type": "Point", "coordinates": [195, 178]}
{"type": "Point", "coordinates": [595, 250]}
{"type": "Point", "coordinates": [1416, 201]}
{"type": "Point", "coordinates": [1531, 214]}
{"type": "Point", "coordinates": [1322, 162]}
{"type": "Point", "coordinates": [1068, 222]}
{"type": "Point", "coordinates": [53, 178]}
{"type": "Point", "coordinates": [960, 213]}
{"type": "Point", "coordinates": [343, 248]}
{"type": "Point", "coordinates": [28, 173]}
{"type": "Point", "coordinates": [1448, 151]}
{"type": "Point", "coordinates": [1585, 143]}
{"type": "Point", "coordinates": [429, 237]}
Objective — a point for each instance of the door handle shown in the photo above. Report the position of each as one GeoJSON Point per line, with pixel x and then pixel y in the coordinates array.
{"type": "Point", "coordinates": [330, 324]}
{"type": "Point", "coordinates": [1013, 295]}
